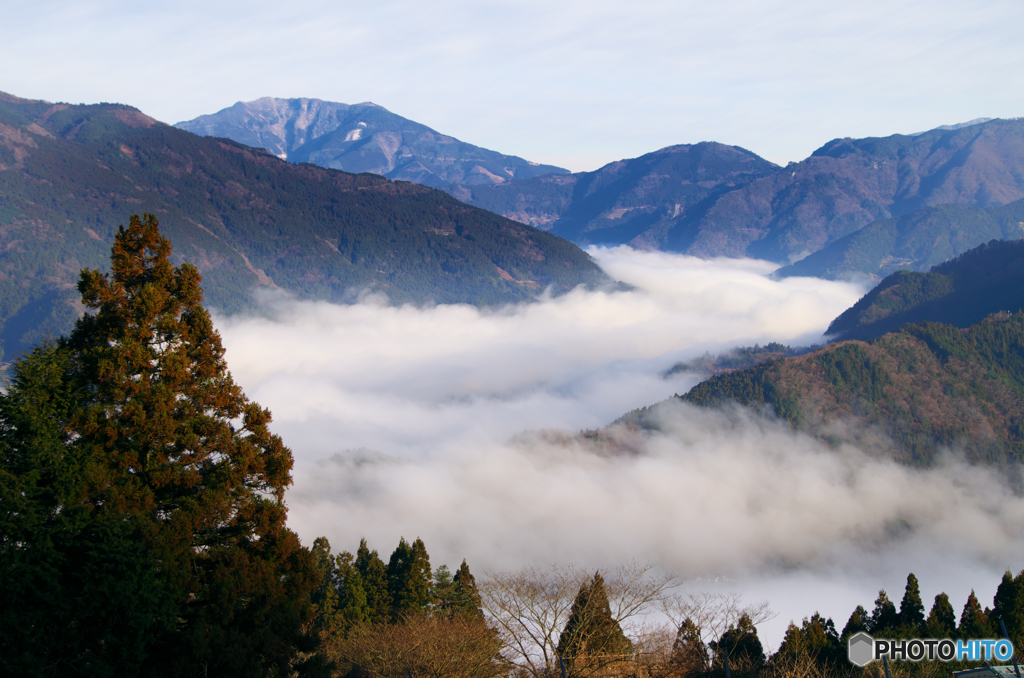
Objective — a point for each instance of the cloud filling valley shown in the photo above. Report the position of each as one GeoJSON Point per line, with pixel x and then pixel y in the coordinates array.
{"type": "Point", "coordinates": [457, 425]}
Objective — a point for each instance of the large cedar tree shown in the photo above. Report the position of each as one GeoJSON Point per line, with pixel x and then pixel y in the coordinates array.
{"type": "Point", "coordinates": [145, 479]}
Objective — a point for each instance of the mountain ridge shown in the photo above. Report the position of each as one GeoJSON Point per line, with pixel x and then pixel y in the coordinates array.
{"type": "Point", "coordinates": [359, 138]}
{"type": "Point", "coordinates": [706, 199]}
{"type": "Point", "coordinates": [789, 212]}
{"type": "Point", "coordinates": [916, 241]}
{"type": "Point", "coordinates": [924, 362]}
{"type": "Point", "coordinates": [961, 292]}
{"type": "Point", "coordinates": [909, 395]}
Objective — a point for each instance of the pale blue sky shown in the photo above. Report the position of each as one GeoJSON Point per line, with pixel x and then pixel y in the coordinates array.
{"type": "Point", "coordinates": [575, 83]}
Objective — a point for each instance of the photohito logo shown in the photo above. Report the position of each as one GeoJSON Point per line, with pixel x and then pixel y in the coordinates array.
{"type": "Point", "coordinates": [863, 649]}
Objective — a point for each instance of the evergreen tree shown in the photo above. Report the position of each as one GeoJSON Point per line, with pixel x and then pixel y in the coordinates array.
{"type": "Point", "coordinates": [884, 618]}
{"type": "Point", "coordinates": [793, 642]}
{"type": "Point", "coordinates": [325, 596]}
{"type": "Point", "coordinates": [857, 622]}
{"type": "Point", "coordinates": [689, 654]}
{"type": "Point", "coordinates": [912, 608]}
{"type": "Point", "coordinates": [119, 441]}
{"type": "Point", "coordinates": [592, 638]}
{"type": "Point", "coordinates": [973, 620]}
{"type": "Point", "coordinates": [1008, 606]}
{"type": "Point", "coordinates": [941, 622]}
{"type": "Point", "coordinates": [467, 597]}
{"type": "Point", "coordinates": [816, 638]}
{"type": "Point", "coordinates": [78, 591]}
{"type": "Point", "coordinates": [409, 579]}
{"type": "Point", "coordinates": [374, 576]}
{"type": "Point", "coordinates": [442, 592]}
{"type": "Point", "coordinates": [746, 654]}
{"type": "Point", "coordinates": [353, 605]}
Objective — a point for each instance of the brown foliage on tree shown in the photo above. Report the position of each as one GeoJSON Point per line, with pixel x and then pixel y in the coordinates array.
{"type": "Point", "coordinates": [426, 647]}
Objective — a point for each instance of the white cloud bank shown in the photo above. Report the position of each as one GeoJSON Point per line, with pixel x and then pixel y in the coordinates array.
{"type": "Point", "coordinates": [404, 422]}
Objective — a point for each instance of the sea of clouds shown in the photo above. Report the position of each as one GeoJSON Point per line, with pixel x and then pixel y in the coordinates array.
{"type": "Point", "coordinates": [457, 425]}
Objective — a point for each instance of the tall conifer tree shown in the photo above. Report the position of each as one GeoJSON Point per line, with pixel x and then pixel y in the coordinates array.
{"type": "Point", "coordinates": [941, 621]}
{"type": "Point", "coordinates": [146, 428]}
{"type": "Point", "coordinates": [857, 622]}
{"type": "Point", "coordinates": [689, 654]}
{"type": "Point", "coordinates": [912, 608]}
{"type": "Point", "coordinates": [409, 579]}
{"type": "Point", "coordinates": [1008, 606]}
{"type": "Point", "coordinates": [325, 596]}
{"type": "Point", "coordinates": [884, 618]}
{"type": "Point", "coordinates": [592, 638]}
{"type": "Point", "coordinates": [746, 653]}
{"type": "Point", "coordinates": [974, 622]}
{"type": "Point", "coordinates": [467, 597]}
{"type": "Point", "coordinates": [374, 577]}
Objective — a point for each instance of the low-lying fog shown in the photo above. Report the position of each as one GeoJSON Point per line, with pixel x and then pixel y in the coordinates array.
{"type": "Point", "coordinates": [409, 422]}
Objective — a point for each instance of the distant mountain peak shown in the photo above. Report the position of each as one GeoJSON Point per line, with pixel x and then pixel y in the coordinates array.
{"type": "Point", "coordinates": [363, 137]}
{"type": "Point", "coordinates": [959, 125]}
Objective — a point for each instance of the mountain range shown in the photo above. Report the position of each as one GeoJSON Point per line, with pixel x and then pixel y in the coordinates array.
{"type": "Point", "coordinates": [855, 209]}
{"type": "Point", "coordinates": [361, 138]}
{"type": "Point", "coordinates": [761, 210]}
{"type": "Point", "coordinates": [914, 242]}
{"type": "Point", "coordinates": [70, 175]}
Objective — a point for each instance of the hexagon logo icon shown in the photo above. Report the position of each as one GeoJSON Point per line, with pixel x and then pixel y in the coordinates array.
{"type": "Point", "coordinates": [860, 648]}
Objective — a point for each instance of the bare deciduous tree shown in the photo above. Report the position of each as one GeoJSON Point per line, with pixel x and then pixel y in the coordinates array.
{"type": "Point", "coordinates": [530, 608]}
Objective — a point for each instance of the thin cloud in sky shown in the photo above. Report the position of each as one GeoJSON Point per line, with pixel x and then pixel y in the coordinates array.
{"type": "Point", "coordinates": [571, 82]}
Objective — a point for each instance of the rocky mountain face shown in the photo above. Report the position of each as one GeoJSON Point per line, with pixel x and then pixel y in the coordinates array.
{"type": "Point", "coordinates": [724, 201]}
{"type": "Point", "coordinates": [361, 138]}
{"type": "Point", "coordinates": [70, 175]}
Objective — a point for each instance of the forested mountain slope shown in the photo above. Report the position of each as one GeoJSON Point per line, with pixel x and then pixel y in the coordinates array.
{"type": "Point", "coordinates": [915, 242]}
{"type": "Point", "coordinates": [70, 175]}
{"type": "Point", "coordinates": [908, 394]}
{"type": "Point", "coordinates": [361, 138]}
{"type": "Point", "coordinates": [923, 362]}
{"type": "Point", "coordinates": [960, 292]}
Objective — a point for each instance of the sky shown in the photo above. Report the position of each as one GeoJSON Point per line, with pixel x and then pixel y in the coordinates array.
{"type": "Point", "coordinates": [458, 425]}
{"type": "Point", "coordinates": [576, 83]}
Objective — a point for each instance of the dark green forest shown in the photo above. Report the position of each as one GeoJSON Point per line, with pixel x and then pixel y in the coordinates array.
{"type": "Point", "coordinates": [962, 291]}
